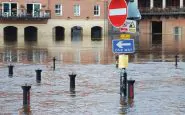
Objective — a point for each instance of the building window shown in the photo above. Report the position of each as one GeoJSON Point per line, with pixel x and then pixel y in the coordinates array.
{"type": "Point", "coordinates": [76, 10]}
{"type": "Point", "coordinates": [177, 32]}
{"type": "Point", "coordinates": [9, 9]}
{"type": "Point", "coordinates": [96, 10]}
{"type": "Point", "coordinates": [58, 9]}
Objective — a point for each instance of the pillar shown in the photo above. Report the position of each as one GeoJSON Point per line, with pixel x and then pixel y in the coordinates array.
{"type": "Point", "coordinates": [151, 4]}
{"type": "Point", "coordinates": [181, 3]}
{"type": "Point", "coordinates": [164, 3]}
{"type": "Point", "coordinates": [20, 36]}
{"type": "Point", "coordinates": [67, 38]}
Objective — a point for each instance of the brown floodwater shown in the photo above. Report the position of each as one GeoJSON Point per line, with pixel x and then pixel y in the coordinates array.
{"type": "Point", "coordinates": [159, 87]}
{"type": "Point", "coordinates": [92, 52]}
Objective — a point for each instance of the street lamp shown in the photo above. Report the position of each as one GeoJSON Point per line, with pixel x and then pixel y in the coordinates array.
{"type": "Point", "coordinates": [133, 11]}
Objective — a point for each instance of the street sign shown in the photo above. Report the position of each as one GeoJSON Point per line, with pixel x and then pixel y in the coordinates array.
{"type": "Point", "coordinates": [124, 36]}
{"type": "Point", "coordinates": [123, 46]}
{"type": "Point", "coordinates": [117, 12]}
{"type": "Point", "coordinates": [123, 61]}
{"type": "Point", "coordinates": [129, 26]}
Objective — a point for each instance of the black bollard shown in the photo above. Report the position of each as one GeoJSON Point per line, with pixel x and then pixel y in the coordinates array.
{"type": "Point", "coordinates": [26, 98]}
{"type": "Point", "coordinates": [54, 59]}
{"type": "Point", "coordinates": [117, 58]}
{"type": "Point", "coordinates": [131, 88]}
{"type": "Point", "coordinates": [10, 70]}
{"type": "Point", "coordinates": [123, 83]}
{"type": "Point", "coordinates": [38, 75]}
{"type": "Point", "coordinates": [72, 82]}
{"type": "Point", "coordinates": [176, 60]}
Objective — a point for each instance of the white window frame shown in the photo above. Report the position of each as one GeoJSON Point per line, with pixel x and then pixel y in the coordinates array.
{"type": "Point", "coordinates": [59, 9]}
{"type": "Point", "coordinates": [76, 9]}
{"type": "Point", "coordinates": [177, 34]}
{"type": "Point", "coordinates": [33, 10]}
{"type": "Point", "coordinates": [96, 8]}
{"type": "Point", "coordinates": [179, 30]}
{"type": "Point", "coordinates": [9, 11]}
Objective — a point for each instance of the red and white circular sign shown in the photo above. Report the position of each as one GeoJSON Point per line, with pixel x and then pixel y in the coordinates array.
{"type": "Point", "coordinates": [117, 12]}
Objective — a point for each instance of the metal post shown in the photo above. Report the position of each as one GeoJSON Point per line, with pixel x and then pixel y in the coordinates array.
{"type": "Point", "coordinates": [10, 70]}
{"type": "Point", "coordinates": [72, 82]}
{"type": "Point", "coordinates": [38, 75]}
{"type": "Point", "coordinates": [54, 59]}
{"type": "Point", "coordinates": [123, 82]}
{"type": "Point", "coordinates": [117, 58]}
{"type": "Point", "coordinates": [131, 88]}
{"type": "Point", "coordinates": [26, 97]}
{"type": "Point", "coordinates": [176, 60]}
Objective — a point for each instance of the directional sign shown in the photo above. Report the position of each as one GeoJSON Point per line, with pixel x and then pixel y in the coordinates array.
{"type": "Point", "coordinates": [123, 46]}
{"type": "Point", "coordinates": [117, 12]}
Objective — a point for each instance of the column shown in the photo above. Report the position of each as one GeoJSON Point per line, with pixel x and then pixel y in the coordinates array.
{"type": "Point", "coordinates": [20, 36]}
{"type": "Point", "coordinates": [151, 4]}
{"type": "Point", "coordinates": [181, 3]}
{"type": "Point", "coordinates": [164, 4]}
{"type": "Point", "coordinates": [67, 38]}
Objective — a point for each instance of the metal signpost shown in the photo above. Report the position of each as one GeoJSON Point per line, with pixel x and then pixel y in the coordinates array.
{"type": "Point", "coordinates": [117, 14]}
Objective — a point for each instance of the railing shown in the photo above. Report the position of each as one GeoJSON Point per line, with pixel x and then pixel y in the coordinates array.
{"type": "Point", "coordinates": [162, 11]}
{"type": "Point", "coordinates": [23, 14]}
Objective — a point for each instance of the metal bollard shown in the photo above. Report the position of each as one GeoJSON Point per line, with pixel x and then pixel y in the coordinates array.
{"type": "Point", "coordinates": [10, 70]}
{"type": "Point", "coordinates": [54, 59]}
{"type": "Point", "coordinates": [72, 82]}
{"type": "Point", "coordinates": [176, 60]}
{"type": "Point", "coordinates": [117, 58]}
{"type": "Point", "coordinates": [26, 97]}
{"type": "Point", "coordinates": [38, 75]}
{"type": "Point", "coordinates": [131, 88]}
{"type": "Point", "coordinates": [123, 83]}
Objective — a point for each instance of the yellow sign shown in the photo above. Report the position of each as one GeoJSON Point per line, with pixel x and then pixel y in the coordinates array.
{"type": "Point", "coordinates": [124, 36]}
{"type": "Point", "coordinates": [123, 61]}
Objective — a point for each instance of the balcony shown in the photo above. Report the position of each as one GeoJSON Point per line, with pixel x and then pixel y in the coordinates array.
{"type": "Point", "coordinates": [24, 15]}
{"type": "Point", "coordinates": [160, 12]}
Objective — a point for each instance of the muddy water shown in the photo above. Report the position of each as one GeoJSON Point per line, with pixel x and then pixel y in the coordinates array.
{"type": "Point", "coordinates": [91, 52]}
{"type": "Point", "coordinates": [159, 86]}
{"type": "Point", "coordinates": [159, 89]}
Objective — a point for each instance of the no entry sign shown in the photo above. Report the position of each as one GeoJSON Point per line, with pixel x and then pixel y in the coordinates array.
{"type": "Point", "coordinates": [117, 12]}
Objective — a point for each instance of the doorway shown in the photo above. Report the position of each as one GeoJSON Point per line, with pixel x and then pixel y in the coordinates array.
{"type": "Point", "coordinates": [76, 33]}
{"type": "Point", "coordinates": [10, 34]}
{"type": "Point", "coordinates": [59, 33]}
{"type": "Point", "coordinates": [156, 32]}
{"type": "Point", "coordinates": [30, 33]}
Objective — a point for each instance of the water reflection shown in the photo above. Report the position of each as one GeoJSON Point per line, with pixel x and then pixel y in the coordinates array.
{"type": "Point", "coordinates": [93, 52]}
{"type": "Point", "coordinates": [125, 105]}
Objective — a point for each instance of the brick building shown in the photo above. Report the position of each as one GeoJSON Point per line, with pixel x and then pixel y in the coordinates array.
{"type": "Point", "coordinates": [30, 20]}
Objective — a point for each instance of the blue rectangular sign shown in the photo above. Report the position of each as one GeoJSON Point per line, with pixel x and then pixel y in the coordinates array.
{"type": "Point", "coordinates": [123, 46]}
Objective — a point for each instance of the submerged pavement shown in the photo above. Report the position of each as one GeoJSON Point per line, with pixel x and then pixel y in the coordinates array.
{"type": "Point", "coordinates": [159, 89]}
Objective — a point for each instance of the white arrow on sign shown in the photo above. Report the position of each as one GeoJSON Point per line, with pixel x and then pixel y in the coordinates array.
{"type": "Point", "coordinates": [120, 44]}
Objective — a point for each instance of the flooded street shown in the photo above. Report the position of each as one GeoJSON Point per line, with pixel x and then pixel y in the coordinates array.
{"type": "Point", "coordinates": [159, 87]}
